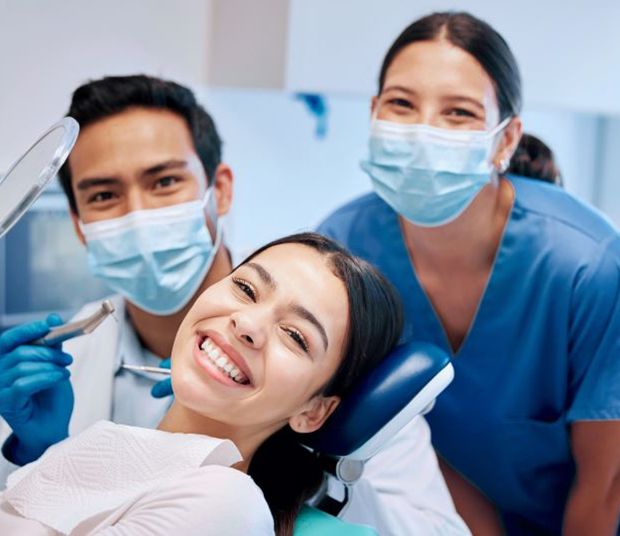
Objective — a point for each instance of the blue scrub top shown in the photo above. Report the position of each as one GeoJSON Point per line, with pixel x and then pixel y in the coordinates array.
{"type": "Point", "coordinates": [543, 350]}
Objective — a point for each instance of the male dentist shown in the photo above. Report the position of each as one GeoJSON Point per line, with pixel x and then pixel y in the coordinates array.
{"type": "Point", "coordinates": [146, 186]}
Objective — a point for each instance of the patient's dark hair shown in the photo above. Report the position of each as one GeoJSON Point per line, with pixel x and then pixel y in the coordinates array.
{"type": "Point", "coordinates": [287, 473]}
{"type": "Point", "coordinates": [99, 99]}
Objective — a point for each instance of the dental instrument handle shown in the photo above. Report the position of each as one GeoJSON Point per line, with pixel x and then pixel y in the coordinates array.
{"type": "Point", "coordinates": [80, 327]}
{"type": "Point", "coordinates": [144, 368]}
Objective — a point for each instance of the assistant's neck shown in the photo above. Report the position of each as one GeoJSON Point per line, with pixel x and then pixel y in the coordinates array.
{"type": "Point", "coordinates": [470, 242]}
{"type": "Point", "coordinates": [180, 419]}
{"type": "Point", "coordinates": [156, 333]}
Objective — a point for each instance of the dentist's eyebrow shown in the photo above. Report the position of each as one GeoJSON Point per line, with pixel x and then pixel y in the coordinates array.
{"type": "Point", "coordinates": [85, 184]}
{"type": "Point", "coordinates": [299, 310]}
{"type": "Point", "coordinates": [163, 166]}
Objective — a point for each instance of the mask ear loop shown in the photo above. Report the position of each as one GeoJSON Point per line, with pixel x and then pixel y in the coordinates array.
{"type": "Point", "coordinates": [375, 114]}
{"type": "Point", "coordinates": [209, 203]}
{"type": "Point", "coordinates": [504, 163]}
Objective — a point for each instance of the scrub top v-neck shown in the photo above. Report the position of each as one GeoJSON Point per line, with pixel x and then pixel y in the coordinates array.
{"type": "Point", "coordinates": [542, 351]}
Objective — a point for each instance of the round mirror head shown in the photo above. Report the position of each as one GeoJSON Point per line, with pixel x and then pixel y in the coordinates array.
{"type": "Point", "coordinates": [27, 177]}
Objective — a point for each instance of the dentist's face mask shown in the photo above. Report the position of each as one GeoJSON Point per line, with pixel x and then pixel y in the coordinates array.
{"type": "Point", "coordinates": [156, 258]}
{"type": "Point", "coordinates": [429, 175]}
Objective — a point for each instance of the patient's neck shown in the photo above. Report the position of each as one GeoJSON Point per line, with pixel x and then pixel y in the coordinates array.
{"type": "Point", "coordinates": [180, 419]}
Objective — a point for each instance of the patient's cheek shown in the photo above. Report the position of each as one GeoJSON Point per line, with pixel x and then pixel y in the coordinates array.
{"type": "Point", "coordinates": [185, 386]}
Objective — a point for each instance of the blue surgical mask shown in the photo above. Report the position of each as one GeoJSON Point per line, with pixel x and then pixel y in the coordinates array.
{"type": "Point", "coordinates": [429, 175]}
{"type": "Point", "coordinates": [156, 258]}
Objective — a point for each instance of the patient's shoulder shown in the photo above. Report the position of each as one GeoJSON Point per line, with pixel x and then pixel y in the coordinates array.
{"type": "Point", "coordinates": [219, 498]}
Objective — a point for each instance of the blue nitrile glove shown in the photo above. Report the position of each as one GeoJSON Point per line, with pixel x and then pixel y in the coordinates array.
{"type": "Point", "coordinates": [163, 388]}
{"type": "Point", "coordinates": [36, 398]}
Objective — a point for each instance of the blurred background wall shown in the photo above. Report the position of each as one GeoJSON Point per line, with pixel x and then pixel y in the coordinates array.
{"type": "Point", "coordinates": [288, 83]}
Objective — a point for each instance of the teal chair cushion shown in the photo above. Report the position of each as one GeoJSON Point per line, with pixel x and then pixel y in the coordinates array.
{"type": "Point", "coordinates": [313, 522]}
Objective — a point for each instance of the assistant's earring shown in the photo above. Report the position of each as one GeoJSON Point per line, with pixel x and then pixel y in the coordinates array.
{"type": "Point", "coordinates": [503, 164]}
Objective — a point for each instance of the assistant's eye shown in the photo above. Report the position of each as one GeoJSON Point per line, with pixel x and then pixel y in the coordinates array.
{"type": "Point", "coordinates": [400, 103]}
{"type": "Point", "coordinates": [460, 112]}
{"type": "Point", "coordinates": [246, 287]}
{"type": "Point", "coordinates": [297, 337]}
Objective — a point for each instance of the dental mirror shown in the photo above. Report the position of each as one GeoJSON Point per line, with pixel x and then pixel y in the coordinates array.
{"type": "Point", "coordinates": [27, 177]}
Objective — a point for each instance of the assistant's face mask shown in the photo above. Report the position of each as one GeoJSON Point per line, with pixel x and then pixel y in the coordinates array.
{"type": "Point", "coordinates": [429, 175]}
{"type": "Point", "coordinates": [156, 258]}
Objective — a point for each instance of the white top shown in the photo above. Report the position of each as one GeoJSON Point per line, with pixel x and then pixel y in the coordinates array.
{"type": "Point", "coordinates": [144, 411]}
{"type": "Point", "coordinates": [115, 479]}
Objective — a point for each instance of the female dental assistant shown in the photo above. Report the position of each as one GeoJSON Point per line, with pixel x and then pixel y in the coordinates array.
{"type": "Point", "coordinates": [516, 278]}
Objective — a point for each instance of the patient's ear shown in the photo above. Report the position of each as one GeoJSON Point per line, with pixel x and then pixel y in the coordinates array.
{"type": "Point", "coordinates": [314, 414]}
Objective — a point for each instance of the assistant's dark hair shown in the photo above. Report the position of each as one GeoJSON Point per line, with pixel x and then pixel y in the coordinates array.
{"type": "Point", "coordinates": [287, 473]}
{"type": "Point", "coordinates": [478, 39]}
{"type": "Point", "coordinates": [112, 95]}
{"type": "Point", "coordinates": [535, 160]}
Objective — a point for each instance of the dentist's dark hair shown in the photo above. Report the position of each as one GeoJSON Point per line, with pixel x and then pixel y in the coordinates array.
{"type": "Point", "coordinates": [475, 37]}
{"type": "Point", "coordinates": [112, 95]}
{"type": "Point", "coordinates": [287, 473]}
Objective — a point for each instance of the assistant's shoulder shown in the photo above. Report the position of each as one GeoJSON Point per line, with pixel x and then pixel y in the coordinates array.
{"type": "Point", "coordinates": [566, 214]}
{"type": "Point", "coordinates": [344, 219]}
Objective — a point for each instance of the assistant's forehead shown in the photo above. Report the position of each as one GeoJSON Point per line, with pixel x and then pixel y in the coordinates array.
{"type": "Point", "coordinates": [438, 66]}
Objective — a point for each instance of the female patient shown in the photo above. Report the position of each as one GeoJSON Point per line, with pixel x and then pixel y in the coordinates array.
{"type": "Point", "coordinates": [266, 353]}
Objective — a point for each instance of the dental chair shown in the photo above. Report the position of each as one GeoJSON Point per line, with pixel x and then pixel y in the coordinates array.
{"type": "Point", "coordinates": [402, 387]}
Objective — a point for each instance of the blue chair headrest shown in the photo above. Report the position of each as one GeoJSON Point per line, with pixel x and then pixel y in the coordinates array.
{"type": "Point", "coordinates": [401, 387]}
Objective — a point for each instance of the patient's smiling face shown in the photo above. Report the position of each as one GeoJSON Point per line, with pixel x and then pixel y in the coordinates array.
{"type": "Point", "coordinates": [256, 347]}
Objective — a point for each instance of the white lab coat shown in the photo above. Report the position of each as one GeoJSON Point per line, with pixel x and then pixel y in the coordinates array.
{"type": "Point", "coordinates": [92, 376]}
{"type": "Point", "coordinates": [402, 491]}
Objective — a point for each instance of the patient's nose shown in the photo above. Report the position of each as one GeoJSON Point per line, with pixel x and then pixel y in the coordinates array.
{"type": "Point", "coordinates": [247, 330]}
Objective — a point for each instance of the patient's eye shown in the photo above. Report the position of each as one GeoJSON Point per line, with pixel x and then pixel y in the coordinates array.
{"type": "Point", "coordinates": [297, 337]}
{"type": "Point", "coordinates": [246, 287]}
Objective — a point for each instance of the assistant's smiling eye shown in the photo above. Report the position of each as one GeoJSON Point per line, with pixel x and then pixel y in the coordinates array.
{"type": "Point", "coordinates": [297, 337]}
{"type": "Point", "coordinates": [461, 113]}
{"type": "Point", "coordinates": [400, 103]}
{"type": "Point", "coordinates": [246, 287]}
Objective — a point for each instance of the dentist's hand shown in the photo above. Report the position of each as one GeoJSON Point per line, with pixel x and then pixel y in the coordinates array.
{"type": "Point", "coordinates": [36, 398]}
{"type": "Point", "coordinates": [163, 388]}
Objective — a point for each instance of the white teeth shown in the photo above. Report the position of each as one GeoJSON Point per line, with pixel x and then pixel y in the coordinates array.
{"type": "Point", "coordinates": [220, 360]}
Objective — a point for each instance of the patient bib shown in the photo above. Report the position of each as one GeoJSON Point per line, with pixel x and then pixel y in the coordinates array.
{"type": "Point", "coordinates": [105, 466]}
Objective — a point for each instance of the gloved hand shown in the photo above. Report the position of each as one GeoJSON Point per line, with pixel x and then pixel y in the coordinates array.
{"type": "Point", "coordinates": [36, 398]}
{"type": "Point", "coordinates": [163, 388]}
